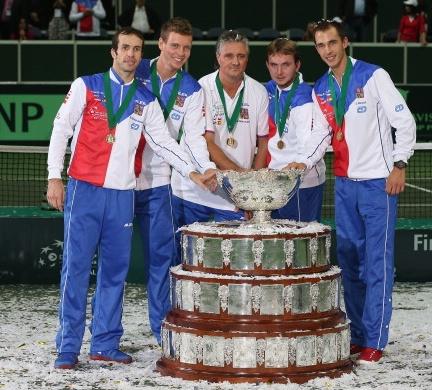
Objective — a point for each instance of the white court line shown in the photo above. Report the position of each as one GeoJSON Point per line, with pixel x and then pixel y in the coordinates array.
{"type": "Point", "coordinates": [399, 205]}
{"type": "Point", "coordinates": [418, 188]}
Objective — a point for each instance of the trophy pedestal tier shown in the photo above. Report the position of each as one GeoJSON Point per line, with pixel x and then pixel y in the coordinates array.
{"type": "Point", "coordinates": [255, 303]}
{"type": "Point", "coordinates": [267, 353]}
{"type": "Point", "coordinates": [227, 297]}
{"type": "Point", "coordinates": [235, 375]}
{"type": "Point", "coordinates": [282, 247]}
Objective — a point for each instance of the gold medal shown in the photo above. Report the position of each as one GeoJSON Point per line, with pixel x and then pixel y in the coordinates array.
{"type": "Point", "coordinates": [339, 136]}
{"type": "Point", "coordinates": [110, 138]}
{"type": "Point", "coordinates": [231, 142]}
{"type": "Point", "coordinates": [280, 144]}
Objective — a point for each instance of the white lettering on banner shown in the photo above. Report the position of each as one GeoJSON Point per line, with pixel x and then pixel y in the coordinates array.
{"type": "Point", "coordinates": [422, 242]}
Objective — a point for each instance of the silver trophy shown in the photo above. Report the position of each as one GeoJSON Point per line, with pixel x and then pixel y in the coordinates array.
{"type": "Point", "coordinates": [260, 191]}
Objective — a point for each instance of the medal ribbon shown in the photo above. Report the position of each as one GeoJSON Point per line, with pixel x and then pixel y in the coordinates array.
{"type": "Point", "coordinates": [339, 104]}
{"type": "Point", "coordinates": [231, 122]}
{"type": "Point", "coordinates": [281, 120]}
{"type": "Point", "coordinates": [114, 118]}
{"type": "Point", "coordinates": [155, 89]}
{"type": "Point", "coordinates": [174, 92]}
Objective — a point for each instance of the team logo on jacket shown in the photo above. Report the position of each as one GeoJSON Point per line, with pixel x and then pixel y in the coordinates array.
{"type": "Point", "coordinates": [180, 100]}
{"type": "Point", "coordinates": [244, 113]}
{"type": "Point", "coordinates": [399, 108]}
{"type": "Point", "coordinates": [218, 121]}
{"type": "Point", "coordinates": [324, 96]}
{"type": "Point", "coordinates": [138, 109]}
{"type": "Point", "coordinates": [359, 93]}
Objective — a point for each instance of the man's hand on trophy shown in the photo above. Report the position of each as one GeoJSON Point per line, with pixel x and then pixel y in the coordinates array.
{"type": "Point", "coordinates": [295, 165]}
{"type": "Point", "coordinates": [211, 180]}
{"type": "Point", "coordinates": [207, 180]}
{"type": "Point", "coordinates": [248, 215]}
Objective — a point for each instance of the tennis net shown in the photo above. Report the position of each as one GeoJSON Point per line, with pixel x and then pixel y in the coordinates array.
{"type": "Point", "coordinates": [23, 180]}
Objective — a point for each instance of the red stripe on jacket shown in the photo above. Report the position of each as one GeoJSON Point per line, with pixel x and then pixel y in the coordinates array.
{"type": "Point", "coordinates": [139, 156]}
{"type": "Point", "coordinates": [92, 151]}
{"type": "Point", "coordinates": [271, 134]}
{"type": "Point", "coordinates": [340, 147]}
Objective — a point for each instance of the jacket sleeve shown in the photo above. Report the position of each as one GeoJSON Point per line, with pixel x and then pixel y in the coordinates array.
{"type": "Point", "coordinates": [398, 114]}
{"type": "Point", "coordinates": [74, 15]}
{"type": "Point", "coordinates": [99, 10]}
{"type": "Point", "coordinates": [302, 120]}
{"type": "Point", "coordinates": [207, 105]}
{"type": "Point", "coordinates": [262, 113]}
{"type": "Point", "coordinates": [193, 131]}
{"type": "Point", "coordinates": [163, 145]}
{"type": "Point", "coordinates": [64, 124]}
{"type": "Point", "coordinates": [320, 137]}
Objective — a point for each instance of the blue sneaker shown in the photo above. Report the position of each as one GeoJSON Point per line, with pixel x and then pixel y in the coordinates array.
{"type": "Point", "coordinates": [66, 360]}
{"type": "Point", "coordinates": [112, 355]}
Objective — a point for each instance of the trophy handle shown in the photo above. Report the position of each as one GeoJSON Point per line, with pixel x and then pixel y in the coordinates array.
{"type": "Point", "coordinates": [295, 188]}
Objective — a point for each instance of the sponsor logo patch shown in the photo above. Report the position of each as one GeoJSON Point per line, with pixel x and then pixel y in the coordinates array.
{"type": "Point", "coordinates": [175, 116]}
{"type": "Point", "coordinates": [138, 109]}
{"type": "Point", "coordinates": [180, 100]}
{"type": "Point", "coordinates": [244, 113]}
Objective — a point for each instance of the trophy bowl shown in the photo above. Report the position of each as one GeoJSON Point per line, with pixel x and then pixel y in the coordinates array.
{"type": "Point", "coordinates": [260, 191]}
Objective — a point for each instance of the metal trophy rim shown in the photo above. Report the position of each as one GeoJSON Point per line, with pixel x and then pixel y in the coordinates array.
{"type": "Point", "coordinates": [232, 182]}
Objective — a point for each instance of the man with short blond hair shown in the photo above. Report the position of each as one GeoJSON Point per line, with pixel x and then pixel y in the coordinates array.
{"type": "Point", "coordinates": [182, 101]}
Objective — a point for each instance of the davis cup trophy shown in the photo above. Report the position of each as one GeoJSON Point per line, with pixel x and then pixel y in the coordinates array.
{"type": "Point", "coordinates": [255, 301]}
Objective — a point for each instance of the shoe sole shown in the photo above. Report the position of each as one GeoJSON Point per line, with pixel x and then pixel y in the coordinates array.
{"type": "Point", "coordinates": [367, 362]}
{"type": "Point", "coordinates": [65, 366]}
{"type": "Point", "coordinates": [107, 359]}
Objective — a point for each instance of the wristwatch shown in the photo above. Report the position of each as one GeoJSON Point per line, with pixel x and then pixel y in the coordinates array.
{"type": "Point", "coordinates": [400, 164]}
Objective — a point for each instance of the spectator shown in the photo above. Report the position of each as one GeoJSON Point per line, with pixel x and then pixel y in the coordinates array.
{"type": "Point", "coordinates": [87, 14]}
{"type": "Point", "coordinates": [39, 13]}
{"type": "Point", "coordinates": [356, 15]}
{"type": "Point", "coordinates": [10, 14]}
{"type": "Point", "coordinates": [142, 17]}
{"type": "Point", "coordinates": [24, 31]}
{"type": "Point", "coordinates": [412, 26]}
{"type": "Point", "coordinates": [58, 27]}
{"type": "Point", "coordinates": [308, 36]}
